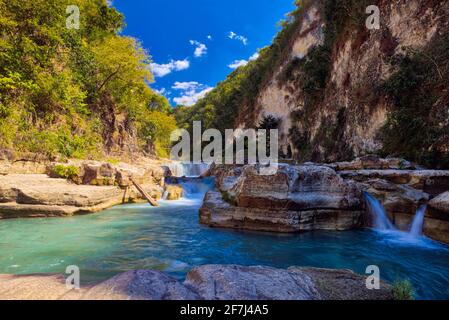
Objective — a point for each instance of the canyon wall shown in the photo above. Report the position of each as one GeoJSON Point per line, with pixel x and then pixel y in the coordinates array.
{"type": "Point", "coordinates": [342, 90]}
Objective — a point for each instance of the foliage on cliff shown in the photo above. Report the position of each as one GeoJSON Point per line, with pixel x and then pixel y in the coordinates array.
{"type": "Point", "coordinates": [75, 92]}
{"type": "Point", "coordinates": [418, 125]}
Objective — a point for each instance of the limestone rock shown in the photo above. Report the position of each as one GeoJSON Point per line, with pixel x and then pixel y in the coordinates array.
{"type": "Point", "coordinates": [433, 182]}
{"type": "Point", "coordinates": [396, 198]}
{"type": "Point", "coordinates": [38, 195]}
{"type": "Point", "coordinates": [216, 212]}
{"type": "Point", "coordinates": [174, 192]}
{"type": "Point", "coordinates": [140, 285]}
{"type": "Point", "coordinates": [232, 282]}
{"type": "Point", "coordinates": [296, 188]}
{"type": "Point", "coordinates": [441, 202]}
{"type": "Point", "coordinates": [209, 282]}
{"type": "Point", "coordinates": [334, 284]}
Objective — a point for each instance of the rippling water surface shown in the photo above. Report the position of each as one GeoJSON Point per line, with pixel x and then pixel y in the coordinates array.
{"type": "Point", "coordinates": [169, 238]}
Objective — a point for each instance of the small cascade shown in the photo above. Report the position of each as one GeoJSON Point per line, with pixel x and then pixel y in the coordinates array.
{"type": "Point", "coordinates": [188, 169]}
{"type": "Point", "coordinates": [194, 188]}
{"type": "Point", "coordinates": [381, 221]}
{"type": "Point", "coordinates": [418, 221]}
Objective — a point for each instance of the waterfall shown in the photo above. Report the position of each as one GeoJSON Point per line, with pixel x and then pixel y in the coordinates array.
{"type": "Point", "coordinates": [188, 169]}
{"type": "Point", "coordinates": [381, 221]}
{"type": "Point", "coordinates": [416, 229]}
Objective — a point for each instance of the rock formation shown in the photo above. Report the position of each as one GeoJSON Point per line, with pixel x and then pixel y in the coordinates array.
{"type": "Point", "coordinates": [326, 197]}
{"type": "Point", "coordinates": [208, 282]}
{"type": "Point", "coordinates": [91, 186]}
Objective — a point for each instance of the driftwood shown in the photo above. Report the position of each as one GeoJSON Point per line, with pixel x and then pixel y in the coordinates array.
{"type": "Point", "coordinates": [144, 194]}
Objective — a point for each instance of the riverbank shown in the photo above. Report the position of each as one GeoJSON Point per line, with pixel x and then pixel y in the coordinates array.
{"type": "Point", "coordinates": [50, 189]}
{"type": "Point", "coordinates": [209, 282]}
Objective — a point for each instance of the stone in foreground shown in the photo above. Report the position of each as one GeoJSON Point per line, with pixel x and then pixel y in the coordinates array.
{"type": "Point", "coordinates": [208, 282]}
{"type": "Point", "coordinates": [232, 282]}
{"type": "Point", "coordinates": [140, 285]}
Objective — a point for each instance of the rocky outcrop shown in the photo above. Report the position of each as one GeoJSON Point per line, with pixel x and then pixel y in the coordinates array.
{"type": "Point", "coordinates": [296, 198]}
{"type": "Point", "coordinates": [334, 284]}
{"type": "Point", "coordinates": [326, 196]}
{"type": "Point", "coordinates": [173, 192]}
{"type": "Point", "coordinates": [34, 186]}
{"type": "Point", "coordinates": [143, 171]}
{"type": "Point", "coordinates": [441, 203]}
{"type": "Point", "coordinates": [140, 285]}
{"type": "Point", "coordinates": [40, 196]}
{"type": "Point", "coordinates": [231, 282]}
{"type": "Point", "coordinates": [209, 282]}
{"type": "Point", "coordinates": [437, 218]}
{"type": "Point", "coordinates": [91, 186]}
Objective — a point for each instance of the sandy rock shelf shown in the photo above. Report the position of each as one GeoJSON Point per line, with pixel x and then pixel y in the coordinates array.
{"type": "Point", "coordinates": [37, 195]}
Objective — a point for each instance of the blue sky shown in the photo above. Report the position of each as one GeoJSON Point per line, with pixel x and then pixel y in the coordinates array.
{"type": "Point", "coordinates": [194, 44]}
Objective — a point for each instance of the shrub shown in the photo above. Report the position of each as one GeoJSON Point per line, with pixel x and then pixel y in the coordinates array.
{"type": "Point", "coordinates": [403, 290]}
{"type": "Point", "coordinates": [66, 172]}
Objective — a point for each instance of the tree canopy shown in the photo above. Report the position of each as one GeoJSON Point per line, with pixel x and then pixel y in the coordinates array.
{"type": "Point", "coordinates": [67, 91]}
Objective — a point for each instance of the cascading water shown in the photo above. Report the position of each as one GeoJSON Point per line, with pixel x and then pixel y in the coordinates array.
{"type": "Point", "coordinates": [194, 188]}
{"type": "Point", "coordinates": [188, 169]}
{"type": "Point", "coordinates": [381, 221]}
{"type": "Point", "coordinates": [418, 221]}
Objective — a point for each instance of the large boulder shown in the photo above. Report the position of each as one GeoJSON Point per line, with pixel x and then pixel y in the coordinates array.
{"type": "Point", "coordinates": [295, 198]}
{"type": "Point", "coordinates": [436, 224]}
{"type": "Point", "coordinates": [336, 284]}
{"type": "Point", "coordinates": [39, 196]}
{"type": "Point", "coordinates": [217, 211]}
{"type": "Point", "coordinates": [433, 182]}
{"type": "Point", "coordinates": [296, 188]}
{"type": "Point", "coordinates": [396, 198]}
{"type": "Point", "coordinates": [173, 192]}
{"type": "Point", "coordinates": [441, 202]}
{"type": "Point", "coordinates": [140, 285]}
{"type": "Point", "coordinates": [232, 282]}
{"type": "Point", "coordinates": [374, 162]}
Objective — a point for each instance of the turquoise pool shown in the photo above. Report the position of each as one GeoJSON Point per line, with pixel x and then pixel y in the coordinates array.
{"type": "Point", "coordinates": [169, 238]}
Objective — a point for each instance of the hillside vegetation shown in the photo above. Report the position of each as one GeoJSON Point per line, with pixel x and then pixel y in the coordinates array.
{"type": "Point", "coordinates": [76, 93]}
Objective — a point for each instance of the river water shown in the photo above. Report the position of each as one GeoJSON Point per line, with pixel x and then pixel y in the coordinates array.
{"type": "Point", "coordinates": [169, 238]}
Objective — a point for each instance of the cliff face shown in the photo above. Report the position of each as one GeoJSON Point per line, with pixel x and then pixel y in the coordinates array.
{"type": "Point", "coordinates": [334, 96]}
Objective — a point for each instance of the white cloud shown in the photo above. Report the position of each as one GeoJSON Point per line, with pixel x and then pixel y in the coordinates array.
{"type": "Point", "coordinates": [191, 92]}
{"type": "Point", "coordinates": [161, 70]}
{"type": "Point", "coordinates": [234, 36]}
{"type": "Point", "coordinates": [254, 56]}
{"type": "Point", "coordinates": [160, 91]}
{"type": "Point", "coordinates": [200, 49]}
{"type": "Point", "coordinates": [190, 85]}
{"type": "Point", "coordinates": [238, 63]}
